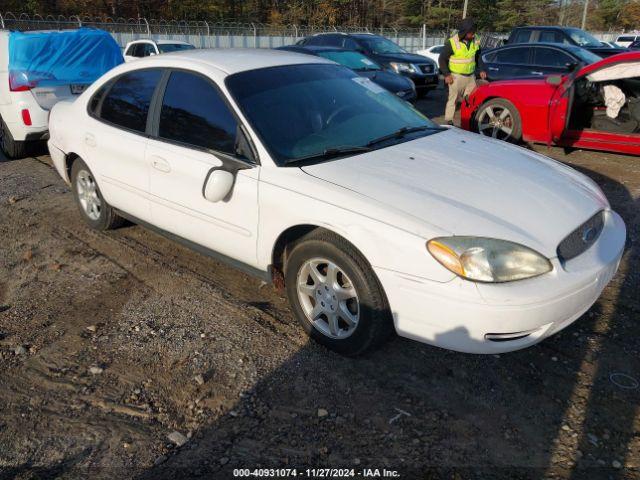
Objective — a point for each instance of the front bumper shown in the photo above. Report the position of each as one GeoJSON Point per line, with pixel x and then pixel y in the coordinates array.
{"type": "Point", "coordinates": [496, 318]}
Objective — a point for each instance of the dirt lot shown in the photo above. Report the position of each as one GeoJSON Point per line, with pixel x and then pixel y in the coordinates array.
{"type": "Point", "coordinates": [109, 343]}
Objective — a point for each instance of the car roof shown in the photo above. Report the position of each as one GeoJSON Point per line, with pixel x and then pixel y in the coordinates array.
{"type": "Point", "coordinates": [545, 27]}
{"type": "Point", "coordinates": [232, 60]}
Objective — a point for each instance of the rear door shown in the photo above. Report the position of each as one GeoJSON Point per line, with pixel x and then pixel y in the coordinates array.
{"type": "Point", "coordinates": [115, 140]}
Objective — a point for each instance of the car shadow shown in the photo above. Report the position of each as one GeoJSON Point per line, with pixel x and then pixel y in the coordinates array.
{"type": "Point", "coordinates": [432, 413]}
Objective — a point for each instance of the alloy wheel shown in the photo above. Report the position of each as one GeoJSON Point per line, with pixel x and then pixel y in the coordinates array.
{"type": "Point", "coordinates": [88, 195]}
{"type": "Point", "coordinates": [496, 121]}
{"type": "Point", "coordinates": [328, 298]}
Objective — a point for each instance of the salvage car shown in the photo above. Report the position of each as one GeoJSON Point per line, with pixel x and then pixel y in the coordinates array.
{"type": "Point", "coordinates": [562, 35]}
{"type": "Point", "coordinates": [374, 218]}
{"type": "Point", "coordinates": [363, 66]}
{"type": "Point", "coordinates": [567, 110]}
{"type": "Point", "coordinates": [38, 69]}
{"type": "Point", "coordinates": [422, 71]}
{"type": "Point", "coordinates": [148, 47]}
{"type": "Point", "coordinates": [530, 60]}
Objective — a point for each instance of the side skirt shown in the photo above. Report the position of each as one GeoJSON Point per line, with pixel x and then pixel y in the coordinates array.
{"type": "Point", "coordinates": [265, 276]}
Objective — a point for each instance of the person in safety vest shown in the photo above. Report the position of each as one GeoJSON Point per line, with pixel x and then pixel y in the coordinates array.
{"type": "Point", "coordinates": [458, 63]}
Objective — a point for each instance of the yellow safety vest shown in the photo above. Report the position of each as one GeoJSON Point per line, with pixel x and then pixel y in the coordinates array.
{"type": "Point", "coordinates": [463, 60]}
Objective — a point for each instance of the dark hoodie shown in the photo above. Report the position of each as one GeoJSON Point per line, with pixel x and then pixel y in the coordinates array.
{"type": "Point", "coordinates": [467, 25]}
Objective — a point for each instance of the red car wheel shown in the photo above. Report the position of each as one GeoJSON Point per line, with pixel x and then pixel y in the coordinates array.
{"type": "Point", "coordinates": [499, 118]}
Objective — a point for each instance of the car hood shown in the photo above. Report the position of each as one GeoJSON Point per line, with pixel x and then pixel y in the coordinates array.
{"type": "Point", "coordinates": [606, 51]}
{"type": "Point", "coordinates": [403, 57]}
{"type": "Point", "coordinates": [466, 184]}
{"type": "Point", "coordinates": [389, 80]}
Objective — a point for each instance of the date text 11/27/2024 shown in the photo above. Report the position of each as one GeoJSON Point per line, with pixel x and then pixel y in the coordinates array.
{"type": "Point", "coordinates": [316, 473]}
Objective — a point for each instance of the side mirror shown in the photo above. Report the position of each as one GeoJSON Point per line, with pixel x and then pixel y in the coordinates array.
{"type": "Point", "coordinates": [571, 66]}
{"type": "Point", "coordinates": [218, 185]}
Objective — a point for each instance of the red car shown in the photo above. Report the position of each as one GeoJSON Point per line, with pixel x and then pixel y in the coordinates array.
{"type": "Point", "coordinates": [566, 110]}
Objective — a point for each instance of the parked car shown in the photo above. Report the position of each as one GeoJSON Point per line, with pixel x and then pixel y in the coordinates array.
{"type": "Point", "coordinates": [565, 110]}
{"type": "Point", "coordinates": [363, 66]}
{"type": "Point", "coordinates": [529, 60]}
{"type": "Point", "coordinates": [627, 39]}
{"type": "Point", "coordinates": [148, 47]}
{"type": "Point", "coordinates": [432, 52]}
{"type": "Point", "coordinates": [565, 35]}
{"type": "Point", "coordinates": [423, 72]}
{"type": "Point", "coordinates": [41, 68]}
{"type": "Point", "coordinates": [635, 45]}
{"type": "Point", "coordinates": [374, 217]}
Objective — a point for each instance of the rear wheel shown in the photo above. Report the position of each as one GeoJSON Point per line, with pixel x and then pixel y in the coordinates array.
{"type": "Point", "coordinates": [95, 211]}
{"type": "Point", "coordinates": [335, 295]}
{"type": "Point", "coordinates": [10, 147]}
{"type": "Point", "coordinates": [499, 118]}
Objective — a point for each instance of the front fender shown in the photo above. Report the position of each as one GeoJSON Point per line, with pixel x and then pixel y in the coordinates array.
{"type": "Point", "coordinates": [388, 240]}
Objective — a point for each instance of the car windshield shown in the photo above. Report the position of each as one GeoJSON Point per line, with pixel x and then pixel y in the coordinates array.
{"type": "Point", "coordinates": [586, 56]}
{"type": "Point", "coordinates": [380, 45]}
{"type": "Point", "coordinates": [301, 111]}
{"type": "Point", "coordinates": [583, 39]}
{"type": "Point", "coordinates": [353, 60]}
{"type": "Point", "coordinates": [174, 47]}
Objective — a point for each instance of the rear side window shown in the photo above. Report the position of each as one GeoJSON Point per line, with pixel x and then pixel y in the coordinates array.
{"type": "Point", "coordinates": [94, 103]}
{"type": "Point", "coordinates": [550, 57]}
{"type": "Point", "coordinates": [127, 103]}
{"type": "Point", "coordinates": [194, 113]}
{"type": "Point", "coordinates": [521, 36]}
{"type": "Point", "coordinates": [516, 56]}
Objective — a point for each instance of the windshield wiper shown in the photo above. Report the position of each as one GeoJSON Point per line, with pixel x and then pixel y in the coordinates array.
{"type": "Point", "coordinates": [329, 153]}
{"type": "Point", "coordinates": [402, 132]}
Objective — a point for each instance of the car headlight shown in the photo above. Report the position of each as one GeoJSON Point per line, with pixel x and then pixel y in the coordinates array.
{"type": "Point", "coordinates": [482, 259]}
{"type": "Point", "coordinates": [402, 67]}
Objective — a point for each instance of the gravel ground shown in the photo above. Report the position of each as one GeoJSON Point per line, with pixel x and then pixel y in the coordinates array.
{"type": "Point", "coordinates": [124, 355]}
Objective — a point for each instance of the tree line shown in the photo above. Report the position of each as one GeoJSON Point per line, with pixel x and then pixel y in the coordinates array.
{"type": "Point", "coordinates": [493, 15]}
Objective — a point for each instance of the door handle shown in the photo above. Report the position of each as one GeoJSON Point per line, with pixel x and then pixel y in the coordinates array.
{"type": "Point", "coordinates": [160, 164]}
{"type": "Point", "coordinates": [495, 69]}
{"type": "Point", "coordinates": [537, 73]}
{"type": "Point", "coordinates": [89, 139]}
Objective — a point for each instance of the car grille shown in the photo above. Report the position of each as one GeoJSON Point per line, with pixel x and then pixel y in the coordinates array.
{"type": "Point", "coordinates": [579, 241]}
{"type": "Point", "coordinates": [426, 68]}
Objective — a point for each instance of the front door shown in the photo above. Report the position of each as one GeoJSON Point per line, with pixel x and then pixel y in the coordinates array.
{"type": "Point", "coordinates": [196, 131]}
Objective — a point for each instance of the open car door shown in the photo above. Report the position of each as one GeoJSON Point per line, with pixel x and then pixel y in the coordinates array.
{"type": "Point", "coordinates": [561, 103]}
{"type": "Point", "coordinates": [611, 69]}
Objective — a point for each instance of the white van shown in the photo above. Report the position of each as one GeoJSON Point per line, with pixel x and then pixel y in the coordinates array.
{"type": "Point", "coordinates": [147, 47]}
{"type": "Point", "coordinates": [36, 72]}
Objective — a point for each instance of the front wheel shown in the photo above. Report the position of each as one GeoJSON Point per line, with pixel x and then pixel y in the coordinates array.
{"type": "Point", "coordinates": [335, 295]}
{"type": "Point", "coordinates": [499, 118]}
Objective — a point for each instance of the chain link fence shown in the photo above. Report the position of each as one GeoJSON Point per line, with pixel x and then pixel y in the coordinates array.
{"type": "Point", "coordinates": [228, 34]}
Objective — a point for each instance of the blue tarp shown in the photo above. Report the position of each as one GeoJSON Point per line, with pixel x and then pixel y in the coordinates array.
{"type": "Point", "coordinates": [59, 58]}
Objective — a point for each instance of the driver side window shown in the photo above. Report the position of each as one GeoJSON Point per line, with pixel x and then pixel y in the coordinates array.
{"type": "Point", "coordinates": [194, 113]}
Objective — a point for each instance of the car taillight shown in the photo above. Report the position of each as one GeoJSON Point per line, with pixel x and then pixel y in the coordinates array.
{"type": "Point", "coordinates": [26, 117]}
{"type": "Point", "coordinates": [20, 83]}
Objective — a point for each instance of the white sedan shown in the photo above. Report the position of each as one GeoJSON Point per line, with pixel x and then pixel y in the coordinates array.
{"type": "Point", "coordinates": [295, 168]}
{"type": "Point", "coordinates": [432, 52]}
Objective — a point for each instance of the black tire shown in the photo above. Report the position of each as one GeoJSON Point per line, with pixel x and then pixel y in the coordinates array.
{"type": "Point", "coordinates": [375, 323]}
{"type": "Point", "coordinates": [500, 104]}
{"type": "Point", "coordinates": [107, 218]}
{"type": "Point", "coordinates": [12, 149]}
